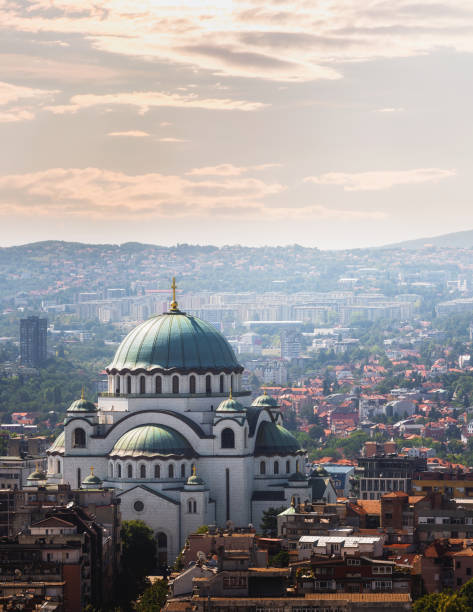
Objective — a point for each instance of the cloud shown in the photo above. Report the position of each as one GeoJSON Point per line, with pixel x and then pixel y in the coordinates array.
{"type": "Point", "coordinates": [378, 180]}
{"type": "Point", "coordinates": [228, 170]}
{"type": "Point", "coordinates": [171, 139]}
{"type": "Point", "coordinates": [130, 134]}
{"type": "Point", "coordinates": [18, 103]}
{"type": "Point", "coordinates": [390, 109]}
{"type": "Point", "coordinates": [95, 193]}
{"type": "Point", "coordinates": [145, 100]}
{"type": "Point", "coordinates": [281, 41]}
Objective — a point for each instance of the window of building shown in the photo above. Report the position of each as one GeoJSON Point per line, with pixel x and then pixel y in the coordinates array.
{"type": "Point", "coordinates": [128, 384]}
{"type": "Point", "coordinates": [138, 506]}
{"type": "Point", "coordinates": [221, 383]}
{"type": "Point", "coordinates": [58, 466]}
{"type": "Point", "coordinates": [171, 471]}
{"type": "Point", "coordinates": [78, 438]}
{"type": "Point", "coordinates": [142, 471]}
{"type": "Point", "coordinates": [228, 438]}
{"type": "Point", "coordinates": [468, 571]}
{"type": "Point", "coordinates": [208, 384]}
{"type": "Point", "coordinates": [142, 385]}
{"type": "Point", "coordinates": [262, 467]}
{"type": "Point", "coordinates": [175, 384]}
{"type": "Point", "coordinates": [119, 471]}
{"type": "Point", "coordinates": [288, 467]}
{"type": "Point", "coordinates": [276, 467]}
{"type": "Point", "coordinates": [192, 384]}
{"type": "Point", "coordinates": [129, 471]}
{"type": "Point", "coordinates": [110, 470]}
{"type": "Point", "coordinates": [183, 470]}
{"type": "Point", "coordinates": [459, 581]}
{"type": "Point", "coordinates": [157, 471]}
{"type": "Point", "coordinates": [158, 384]}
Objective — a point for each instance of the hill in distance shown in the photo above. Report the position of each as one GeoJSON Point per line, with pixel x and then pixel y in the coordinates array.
{"type": "Point", "coordinates": [455, 240]}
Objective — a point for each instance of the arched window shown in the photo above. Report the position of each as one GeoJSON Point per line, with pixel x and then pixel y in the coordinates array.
{"type": "Point", "coordinates": [183, 470]}
{"type": "Point", "coordinates": [297, 465]}
{"type": "Point", "coordinates": [208, 384]}
{"type": "Point", "coordinates": [162, 540]}
{"type": "Point", "coordinates": [192, 384]}
{"type": "Point", "coordinates": [110, 470]}
{"type": "Point", "coordinates": [262, 467]}
{"type": "Point", "coordinates": [119, 470]}
{"type": "Point", "coordinates": [142, 385]}
{"type": "Point", "coordinates": [129, 471]}
{"type": "Point", "coordinates": [221, 383]}
{"type": "Point", "coordinates": [194, 507]}
{"type": "Point", "coordinates": [171, 471]}
{"type": "Point", "coordinates": [175, 384]}
{"type": "Point", "coordinates": [58, 464]}
{"type": "Point", "coordinates": [288, 466]}
{"type": "Point", "coordinates": [228, 438]}
{"type": "Point", "coordinates": [232, 383]}
{"type": "Point", "coordinates": [78, 438]}
{"type": "Point", "coordinates": [158, 384]}
{"type": "Point", "coordinates": [276, 467]}
{"type": "Point", "coordinates": [128, 384]}
{"type": "Point", "coordinates": [117, 385]}
{"type": "Point", "coordinates": [189, 506]}
{"type": "Point", "coordinates": [142, 471]}
{"type": "Point", "coordinates": [79, 478]}
{"type": "Point", "coordinates": [157, 471]}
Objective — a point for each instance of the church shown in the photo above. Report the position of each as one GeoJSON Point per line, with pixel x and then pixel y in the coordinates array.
{"type": "Point", "coordinates": [177, 436]}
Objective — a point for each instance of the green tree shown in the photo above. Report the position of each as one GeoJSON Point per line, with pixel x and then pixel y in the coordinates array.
{"type": "Point", "coordinates": [153, 598]}
{"type": "Point", "coordinates": [138, 558]}
{"type": "Point", "coordinates": [281, 559]}
{"type": "Point", "coordinates": [269, 522]}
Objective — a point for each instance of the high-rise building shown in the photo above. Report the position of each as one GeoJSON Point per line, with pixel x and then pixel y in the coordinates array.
{"type": "Point", "coordinates": [33, 332]}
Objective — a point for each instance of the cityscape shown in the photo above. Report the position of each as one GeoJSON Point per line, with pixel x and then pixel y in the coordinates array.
{"type": "Point", "coordinates": [236, 306]}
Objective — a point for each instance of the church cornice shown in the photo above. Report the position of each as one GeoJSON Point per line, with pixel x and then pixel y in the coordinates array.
{"type": "Point", "coordinates": [175, 370]}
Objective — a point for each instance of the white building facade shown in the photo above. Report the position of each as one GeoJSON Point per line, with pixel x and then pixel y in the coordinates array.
{"type": "Point", "coordinates": [175, 435]}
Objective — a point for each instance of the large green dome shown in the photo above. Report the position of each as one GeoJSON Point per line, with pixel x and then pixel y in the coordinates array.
{"type": "Point", "coordinates": [275, 439]}
{"type": "Point", "coordinates": [175, 341]}
{"type": "Point", "coordinates": [152, 441]}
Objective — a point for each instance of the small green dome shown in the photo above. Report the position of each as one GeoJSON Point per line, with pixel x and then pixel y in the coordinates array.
{"type": "Point", "coordinates": [151, 441]}
{"type": "Point", "coordinates": [82, 405]}
{"type": "Point", "coordinates": [92, 480]}
{"type": "Point", "coordinates": [195, 480]}
{"type": "Point", "coordinates": [175, 341]}
{"type": "Point", "coordinates": [275, 439]}
{"type": "Point", "coordinates": [37, 475]}
{"type": "Point", "coordinates": [230, 405]}
{"type": "Point", "coordinates": [58, 445]}
{"type": "Point", "coordinates": [265, 401]}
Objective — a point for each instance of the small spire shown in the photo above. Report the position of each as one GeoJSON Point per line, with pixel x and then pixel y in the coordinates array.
{"type": "Point", "coordinates": [265, 392]}
{"type": "Point", "coordinates": [293, 502]}
{"type": "Point", "coordinates": [82, 393]}
{"type": "Point", "coordinates": [174, 287]}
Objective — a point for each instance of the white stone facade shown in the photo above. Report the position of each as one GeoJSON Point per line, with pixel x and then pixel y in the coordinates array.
{"type": "Point", "coordinates": [153, 487]}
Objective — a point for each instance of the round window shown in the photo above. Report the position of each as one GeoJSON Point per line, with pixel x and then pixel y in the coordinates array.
{"type": "Point", "coordinates": [138, 506]}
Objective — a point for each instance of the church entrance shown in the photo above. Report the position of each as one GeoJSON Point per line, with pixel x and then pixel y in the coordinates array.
{"type": "Point", "coordinates": [162, 549]}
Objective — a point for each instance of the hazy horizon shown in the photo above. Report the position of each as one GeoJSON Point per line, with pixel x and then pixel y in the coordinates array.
{"type": "Point", "coordinates": [332, 124]}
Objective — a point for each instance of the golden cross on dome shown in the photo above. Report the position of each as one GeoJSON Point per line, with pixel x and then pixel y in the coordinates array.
{"type": "Point", "coordinates": [91, 470]}
{"type": "Point", "coordinates": [231, 394]}
{"type": "Point", "coordinates": [82, 393]}
{"type": "Point", "coordinates": [174, 287]}
{"type": "Point", "coordinates": [193, 470]}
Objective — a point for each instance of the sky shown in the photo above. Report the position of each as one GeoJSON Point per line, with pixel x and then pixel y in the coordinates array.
{"type": "Point", "coordinates": [328, 123]}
